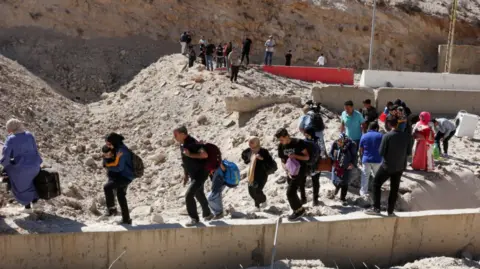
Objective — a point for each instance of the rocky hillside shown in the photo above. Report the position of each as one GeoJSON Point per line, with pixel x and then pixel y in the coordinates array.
{"type": "Point", "coordinates": [92, 46]}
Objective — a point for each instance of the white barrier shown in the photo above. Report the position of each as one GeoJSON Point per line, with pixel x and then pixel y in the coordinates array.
{"type": "Point", "coordinates": [377, 78]}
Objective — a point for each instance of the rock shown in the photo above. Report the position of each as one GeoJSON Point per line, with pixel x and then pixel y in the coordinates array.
{"type": "Point", "coordinates": [185, 84]}
{"type": "Point", "coordinates": [252, 215]}
{"type": "Point", "coordinates": [287, 110]}
{"type": "Point", "coordinates": [273, 210]}
{"type": "Point", "coordinates": [149, 135]}
{"type": "Point", "coordinates": [91, 162]}
{"type": "Point", "coordinates": [164, 116]}
{"type": "Point", "coordinates": [167, 142]}
{"type": "Point", "coordinates": [73, 192]}
{"type": "Point", "coordinates": [123, 96]}
{"type": "Point", "coordinates": [229, 123]}
{"type": "Point", "coordinates": [93, 208]}
{"type": "Point", "coordinates": [157, 218]}
{"type": "Point", "coordinates": [80, 148]}
{"type": "Point", "coordinates": [104, 96]}
{"type": "Point", "coordinates": [237, 215]}
{"type": "Point", "coordinates": [158, 158]}
{"type": "Point", "coordinates": [141, 211]}
{"type": "Point", "coordinates": [202, 120]}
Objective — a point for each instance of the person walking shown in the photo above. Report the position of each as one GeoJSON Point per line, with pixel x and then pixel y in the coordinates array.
{"type": "Point", "coordinates": [260, 166]}
{"type": "Point", "coordinates": [321, 61]}
{"type": "Point", "coordinates": [344, 155]}
{"type": "Point", "coordinates": [21, 162]}
{"type": "Point", "coordinates": [209, 51]}
{"type": "Point", "coordinates": [310, 135]}
{"type": "Point", "coordinates": [120, 175]}
{"type": "Point", "coordinates": [293, 151]}
{"type": "Point", "coordinates": [194, 158]}
{"type": "Point", "coordinates": [247, 44]}
{"type": "Point", "coordinates": [235, 61]}
{"type": "Point", "coordinates": [445, 131]}
{"type": "Point", "coordinates": [351, 123]}
{"type": "Point", "coordinates": [288, 58]}
{"type": "Point", "coordinates": [394, 149]}
{"type": "Point", "coordinates": [370, 155]}
{"type": "Point", "coordinates": [269, 49]}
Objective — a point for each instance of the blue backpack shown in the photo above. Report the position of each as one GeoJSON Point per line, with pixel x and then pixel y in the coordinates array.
{"type": "Point", "coordinates": [231, 174]}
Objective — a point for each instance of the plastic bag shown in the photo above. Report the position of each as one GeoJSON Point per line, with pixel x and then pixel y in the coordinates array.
{"type": "Point", "coordinates": [436, 152]}
{"type": "Point", "coordinates": [293, 167]}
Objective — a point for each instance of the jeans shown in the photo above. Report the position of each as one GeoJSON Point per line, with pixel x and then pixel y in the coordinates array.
{"type": "Point", "coordinates": [268, 58]}
{"type": "Point", "coordinates": [441, 135]}
{"type": "Point", "coordinates": [245, 54]}
{"type": "Point", "coordinates": [256, 192]}
{"type": "Point", "coordinates": [215, 196]}
{"type": "Point", "coordinates": [210, 62]}
{"type": "Point", "coordinates": [235, 70]}
{"type": "Point", "coordinates": [294, 184]}
{"type": "Point", "coordinates": [381, 177]}
{"type": "Point", "coordinates": [195, 190]}
{"type": "Point", "coordinates": [220, 62]}
{"type": "Point", "coordinates": [367, 170]}
{"type": "Point", "coordinates": [120, 184]}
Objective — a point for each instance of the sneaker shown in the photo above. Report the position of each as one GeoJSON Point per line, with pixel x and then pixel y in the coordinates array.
{"type": "Point", "coordinates": [445, 155]}
{"type": "Point", "coordinates": [373, 212]}
{"type": "Point", "coordinates": [218, 216]}
{"type": "Point", "coordinates": [263, 205]}
{"type": "Point", "coordinates": [29, 206]}
{"type": "Point", "coordinates": [297, 215]}
{"type": "Point", "coordinates": [192, 222]}
{"type": "Point", "coordinates": [209, 217]}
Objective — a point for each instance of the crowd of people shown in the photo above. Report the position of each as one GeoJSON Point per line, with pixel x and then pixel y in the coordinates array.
{"type": "Point", "coordinates": [229, 56]}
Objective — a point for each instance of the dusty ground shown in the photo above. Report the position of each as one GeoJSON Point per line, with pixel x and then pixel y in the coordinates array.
{"type": "Point", "coordinates": [147, 109]}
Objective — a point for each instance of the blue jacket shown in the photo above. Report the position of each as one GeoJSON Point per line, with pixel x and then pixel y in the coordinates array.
{"type": "Point", "coordinates": [122, 164]}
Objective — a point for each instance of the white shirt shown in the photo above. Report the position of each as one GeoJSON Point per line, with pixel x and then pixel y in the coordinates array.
{"type": "Point", "coordinates": [321, 61]}
{"type": "Point", "coordinates": [202, 41]}
{"type": "Point", "coordinates": [270, 45]}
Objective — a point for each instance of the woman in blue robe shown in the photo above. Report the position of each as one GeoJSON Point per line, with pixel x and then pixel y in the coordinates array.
{"type": "Point", "coordinates": [21, 161]}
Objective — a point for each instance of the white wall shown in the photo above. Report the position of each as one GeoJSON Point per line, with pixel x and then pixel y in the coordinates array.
{"type": "Point", "coordinates": [377, 78]}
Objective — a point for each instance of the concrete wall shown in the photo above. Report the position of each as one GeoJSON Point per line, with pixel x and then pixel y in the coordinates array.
{"type": "Point", "coordinates": [376, 79]}
{"type": "Point", "coordinates": [465, 59]}
{"type": "Point", "coordinates": [333, 97]}
{"type": "Point", "coordinates": [443, 102]}
{"type": "Point", "coordinates": [249, 104]}
{"type": "Point", "coordinates": [342, 240]}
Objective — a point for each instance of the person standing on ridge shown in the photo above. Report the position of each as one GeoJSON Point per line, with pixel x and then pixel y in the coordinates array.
{"type": "Point", "coordinates": [210, 50]}
{"type": "Point", "coordinates": [288, 58]}
{"type": "Point", "coordinates": [235, 61]}
{"type": "Point", "coordinates": [247, 44]}
{"type": "Point", "coordinates": [269, 49]}
{"type": "Point", "coordinates": [183, 42]}
{"type": "Point", "coordinates": [321, 61]}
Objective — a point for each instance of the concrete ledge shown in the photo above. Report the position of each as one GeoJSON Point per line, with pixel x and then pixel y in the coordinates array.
{"type": "Point", "coordinates": [249, 104]}
{"type": "Point", "coordinates": [377, 78]}
{"type": "Point", "coordinates": [443, 102]}
{"type": "Point", "coordinates": [342, 240]}
{"type": "Point", "coordinates": [333, 97]}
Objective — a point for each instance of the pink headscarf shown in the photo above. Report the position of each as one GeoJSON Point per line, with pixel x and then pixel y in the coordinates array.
{"type": "Point", "coordinates": [424, 118]}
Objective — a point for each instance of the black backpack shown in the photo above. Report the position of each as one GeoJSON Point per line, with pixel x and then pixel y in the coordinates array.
{"type": "Point", "coordinates": [314, 152]}
{"type": "Point", "coordinates": [316, 122]}
{"type": "Point", "coordinates": [138, 166]}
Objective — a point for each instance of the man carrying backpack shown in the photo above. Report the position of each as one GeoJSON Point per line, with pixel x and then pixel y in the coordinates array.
{"type": "Point", "coordinates": [294, 155]}
{"type": "Point", "coordinates": [312, 119]}
{"type": "Point", "coordinates": [194, 158]}
{"type": "Point", "coordinates": [227, 175]}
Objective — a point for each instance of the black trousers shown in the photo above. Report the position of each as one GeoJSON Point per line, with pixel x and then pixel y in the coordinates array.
{"type": "Point", "coordinates": [316, 187]}
{"type": "Point", "coordinates": [120, 184]}
{"type": "Point", "coordinates": [294, 184]}
{"type": "Point", "coordinates": [246, 54]}
{"type": "Point", "coordinates": [381, 177]}
{"type": "Point", "coordinates": [256, 192]}
{"type": "Point", "coordinates": [190, 62]}
{"type": "Point", "coordinates": [441, 135]}
{"type": "Point", "coordinates": [235, 70]}
{"type": "Point", "coordinates": [196, 190]}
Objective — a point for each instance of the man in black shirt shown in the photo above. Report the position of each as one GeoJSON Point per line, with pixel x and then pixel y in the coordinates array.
{"type": "Point", "coordinates": [295, 149]}
{"type": "Point", "coordinates": [394, 149]}
{"type": "Point", "coordinates": [210, 50]}
{"type": "Point", "coordinates": [288, 58]}
{"type": "Point", "coordinates": [193, 161]}
{"type": "Point", "coordinates": [247, 43]}
{"type": "Point", "coordinates": [369, 113]}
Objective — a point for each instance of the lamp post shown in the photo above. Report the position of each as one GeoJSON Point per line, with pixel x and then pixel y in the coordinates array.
{"type": "Point", "coordinates": [372, 36]}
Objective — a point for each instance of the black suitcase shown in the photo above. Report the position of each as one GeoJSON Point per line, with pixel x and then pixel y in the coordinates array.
{"type": "Point", "coordinates": [47, 184]}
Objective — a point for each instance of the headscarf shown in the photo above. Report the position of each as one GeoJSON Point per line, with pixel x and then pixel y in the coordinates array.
{"type": "Point", "coordinates": [115, 139]}
{"type": "Point", "coordinates": [15, 126]}
{"type": "Point", "coordinates": [255, 141]}
{"type": "Point", "coordinates": [425, 118]}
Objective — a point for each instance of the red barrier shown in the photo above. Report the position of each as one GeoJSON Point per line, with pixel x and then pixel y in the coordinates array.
{"type": "Point", "coordinates": [312, 74]}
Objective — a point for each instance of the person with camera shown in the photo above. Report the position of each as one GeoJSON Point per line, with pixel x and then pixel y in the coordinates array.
{"type": "Point", "coordinates": [21, 162]}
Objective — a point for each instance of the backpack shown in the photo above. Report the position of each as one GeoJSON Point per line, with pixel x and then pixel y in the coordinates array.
{"type": "Point", "coordinates": [231, 174]}
{"type": "Point", "coordinates": [316, 122]}
{"type": "Point", "coordinates": [137, 165]}
{"type": "Point", "coordinates": [271, 167]}
{"type": "Point", "coordinates": [214, 157]}
{"type": "Point", "coordinates": [314, 152]}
